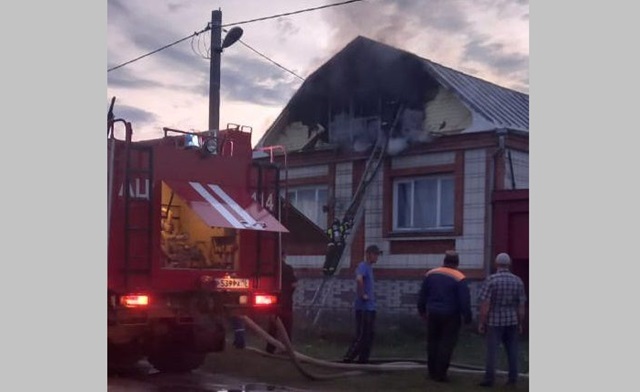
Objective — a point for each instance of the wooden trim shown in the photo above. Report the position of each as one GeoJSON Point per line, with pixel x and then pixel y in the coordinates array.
{"type": "Point", "coordinates": [514, 142]}
{"type": "Point", "coordinates": [459, 194]}
{"type": "Point", "coordinates": [512, 195]}
{"type": "Point", "coordinates": [456, 168]}
{"type": "Point", "coordinates": [449, 142]}
{"type": "Point", "coordinates": [462, 141]}
{"type": "Point", "coordinates": [423, 170]}
{"type": "Point", "coordinates": [312, 158]}
{"type": "Point", "coordinates": [488, 222]}
{"type": "Point", "coordinates": [421, 234]}
{"type": "Point", "coordinates": [499, 172]}
{"type": "Point", "coordinates": [439, 246]}
{"type": "Point", "coordinates": [317, 180]}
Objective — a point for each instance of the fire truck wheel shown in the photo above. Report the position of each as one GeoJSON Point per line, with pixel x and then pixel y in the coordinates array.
{"type": "Point", "coordinates": [172, 359]}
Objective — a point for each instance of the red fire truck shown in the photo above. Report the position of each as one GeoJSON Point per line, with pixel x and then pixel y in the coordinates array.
{"type": "Point", "coordinates": [194, 238]}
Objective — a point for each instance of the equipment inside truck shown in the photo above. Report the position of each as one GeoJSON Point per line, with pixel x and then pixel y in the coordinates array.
{"type": "Point", "coordinates": [188, 242]}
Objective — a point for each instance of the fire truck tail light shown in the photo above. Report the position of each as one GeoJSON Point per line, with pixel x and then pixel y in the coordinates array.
{"type": "Point", "coordinates": [265, 300]}
{"type": "Point", "coordinates": [134, 300]}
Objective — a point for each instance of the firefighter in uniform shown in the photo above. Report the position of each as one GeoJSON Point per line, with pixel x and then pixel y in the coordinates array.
{"type": "Point", "coordinates": [337, 234]}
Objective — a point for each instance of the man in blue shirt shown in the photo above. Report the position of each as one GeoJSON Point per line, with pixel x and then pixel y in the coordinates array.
{"type": "Point", "coordinates": [444, 300]}
{"type": "Point", "coordinates": [365, 308]}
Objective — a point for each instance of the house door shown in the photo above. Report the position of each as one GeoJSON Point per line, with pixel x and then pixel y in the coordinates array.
{"type": "Point", "coordinates": [519, 251]}
{"type": "Point", "coordinates": [511, 234]}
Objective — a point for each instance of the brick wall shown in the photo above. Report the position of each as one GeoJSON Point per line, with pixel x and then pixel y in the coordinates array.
{"type": "Point", "coordinates": [393, 296]}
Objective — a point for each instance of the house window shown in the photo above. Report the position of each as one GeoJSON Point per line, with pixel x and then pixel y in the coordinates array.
{"type": "Point", "coordinates": [310, 200]}
{"type": "Point", "coordinates": [423, 203]}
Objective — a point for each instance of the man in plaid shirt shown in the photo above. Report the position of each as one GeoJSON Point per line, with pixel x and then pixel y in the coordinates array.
{"type": "Point", "coordinates": [502, 299]}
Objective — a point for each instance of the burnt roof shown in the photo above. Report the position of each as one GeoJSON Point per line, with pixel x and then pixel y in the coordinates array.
{"type": "Point", "coordinates": [365, 66]}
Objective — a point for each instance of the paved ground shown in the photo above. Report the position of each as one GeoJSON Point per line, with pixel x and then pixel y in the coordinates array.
{"type": "Point", "coordinates": [145, 379]}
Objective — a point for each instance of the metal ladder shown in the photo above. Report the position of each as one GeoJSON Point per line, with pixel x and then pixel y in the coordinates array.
{"type": "Point", "coordinates": [138, 211]}
{"type": "Point", "coordinates": [355, 210]}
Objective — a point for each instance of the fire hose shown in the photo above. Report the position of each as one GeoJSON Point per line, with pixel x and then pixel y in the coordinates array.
{"type": "Point", "coordinates": [297, 358]}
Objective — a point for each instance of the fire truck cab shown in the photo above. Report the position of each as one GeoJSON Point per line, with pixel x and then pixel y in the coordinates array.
{"type": "Point", "coordinates": [194, 239]}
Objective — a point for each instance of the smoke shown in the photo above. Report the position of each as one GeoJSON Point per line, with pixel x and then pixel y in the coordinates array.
{"type": "Point", "coordinates": [441, 31]}
{"type": "Point", "coordinates": [397, 23]}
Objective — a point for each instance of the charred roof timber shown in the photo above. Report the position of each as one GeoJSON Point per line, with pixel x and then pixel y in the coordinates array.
{"type": "Point", "coordinates": [370, 88]}
{"type": "Point", "coordinates": [363, 81]}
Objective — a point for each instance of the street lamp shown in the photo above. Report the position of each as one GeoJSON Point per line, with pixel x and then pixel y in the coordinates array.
{"type": "Point", "coordinates": [232, 36]}
{"type": "Point", "coordinates": [214, 71]}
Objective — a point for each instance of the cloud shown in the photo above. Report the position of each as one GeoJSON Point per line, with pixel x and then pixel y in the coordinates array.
{"type": "Point", "coordinates": [124, 78]}
{"type": "Point", "coordinates": [143, 32]}
{"type": "Point", "coordinates": [195, 83]}
{"type": "Point", "coordinates": [136, 116]}
{"type": "Point", "coordinates": [448, 32]}
{"type": "Point", "coordinates": [116, 8]}
{"type": "Point", "coordinates": [396, 23]}
{"type": "Point", "coordinates": [286, 28]}
{"type": "Point", "coordinates": [175, 6]}
{"type": "Point", "coordinates": [256, 81]}
{"type": "Point", "coordinates": [496, 56]}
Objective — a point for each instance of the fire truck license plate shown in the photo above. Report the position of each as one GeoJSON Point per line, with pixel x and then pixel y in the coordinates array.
{"type": "Point", "coordinates": [232, 283]}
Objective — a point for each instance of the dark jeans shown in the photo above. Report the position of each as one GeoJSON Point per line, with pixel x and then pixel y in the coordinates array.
{"type": "Point", "coordinates": [286, 315]}
{"type": "Point", "coordinates": [508, 335]}
{"type": "Point", "coordinates": [442, 337]}
{"type": "Point", "coordinates": [361, 345]}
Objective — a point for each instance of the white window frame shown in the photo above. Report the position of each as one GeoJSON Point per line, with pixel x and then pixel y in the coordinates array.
{"type": "Point", "coordinates": [412, 180]}
{"type": "Point", "coordinates": [319, 203]}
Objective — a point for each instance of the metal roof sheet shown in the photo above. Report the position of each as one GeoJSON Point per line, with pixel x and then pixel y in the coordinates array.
{"type": "Point", "coordinates": [504, 107]}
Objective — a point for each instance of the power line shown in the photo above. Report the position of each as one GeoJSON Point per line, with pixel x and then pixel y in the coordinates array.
{"type": "Point", "coordinates": [291, 13]}
{"type": "Point", "coordinates": [268, 59]}
{"type": "Point", "coordinates": [159, 49]}
{"type": "Point", "coordinates": [195, 48]}
{"type": "Point", "coordinates": [232, 24]}
{"type": "Point", "coordinates": [200, 49]}
{"type": "Point", "coordinates": [207, 56]}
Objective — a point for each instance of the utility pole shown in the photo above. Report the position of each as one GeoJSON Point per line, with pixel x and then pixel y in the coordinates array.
{"type": "Point", "coordinates": [217, 45]}
{"type": "Point", "coordinates": [214, 71]}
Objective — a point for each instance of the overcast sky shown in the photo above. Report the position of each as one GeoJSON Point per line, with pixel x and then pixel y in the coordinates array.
{"type": "Point", "coordinates": [485, 38]}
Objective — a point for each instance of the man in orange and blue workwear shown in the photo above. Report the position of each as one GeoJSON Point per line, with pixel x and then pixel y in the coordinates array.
{"type": "Point", "coordinates": [444, 301]}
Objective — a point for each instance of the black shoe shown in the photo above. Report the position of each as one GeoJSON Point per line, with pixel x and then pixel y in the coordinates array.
{"type": "Point", "coordinates": [485, 384]}
{"type": "Point", "coordinates": [347, 360]}
{"type": "Point", "coordinates": [441, 379]}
